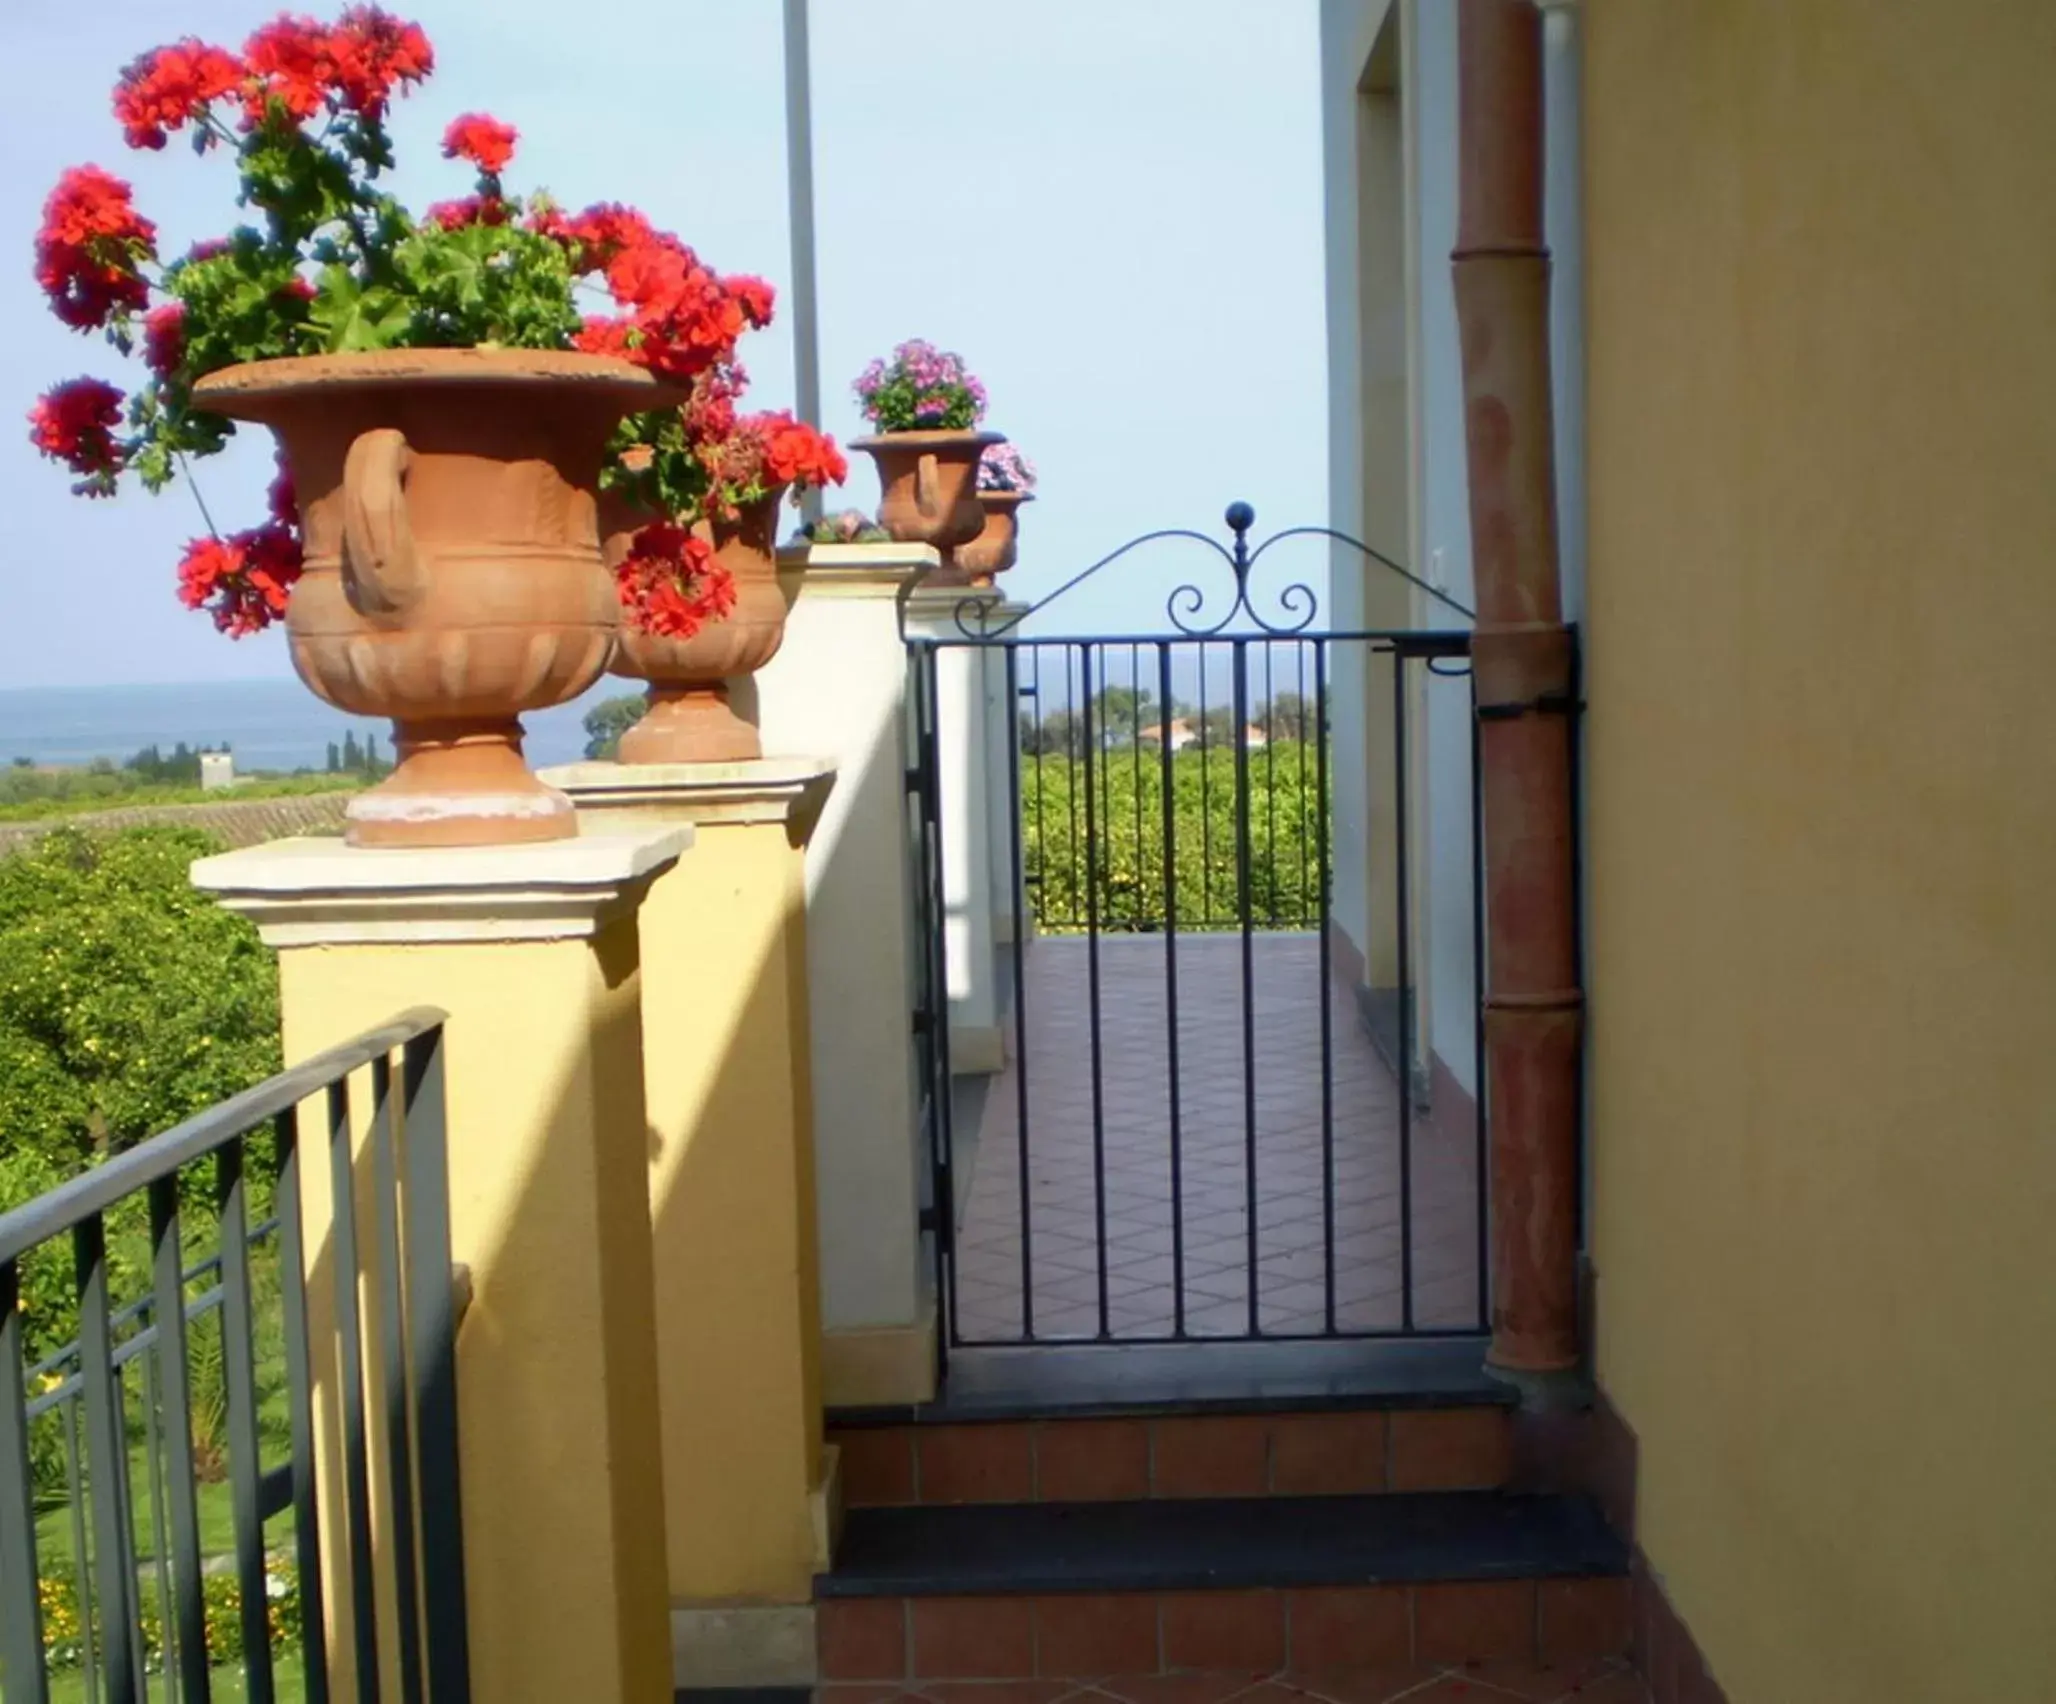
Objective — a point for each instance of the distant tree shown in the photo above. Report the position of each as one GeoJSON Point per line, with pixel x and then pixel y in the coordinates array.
{"type": "Point", "coordinates": [1287, 717]}
{"type": "Point", "coordinates": [374, 765]}
{"type": "Point", "coordinates": [24, 763]}
{"type": "Point", "coordinates": [1122, 714]}
{"type": "Point", "coordinates": [335, 758]}
{"type": "Point", "coordinates": [1057, 734]}
{"type": "Point", "coordinates": [353, 754]}
{"type": "Point", "coordinates": [608, 720]}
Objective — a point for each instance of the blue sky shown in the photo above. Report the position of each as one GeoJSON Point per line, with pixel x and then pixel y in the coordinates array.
{"type": "Point", "coordinates": [1112, 208]}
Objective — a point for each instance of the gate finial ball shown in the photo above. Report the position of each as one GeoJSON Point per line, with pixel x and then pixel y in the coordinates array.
{"type": "Point", "coordinates": [1241, 517]}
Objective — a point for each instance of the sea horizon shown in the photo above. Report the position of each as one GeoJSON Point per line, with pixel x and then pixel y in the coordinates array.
{"type": "Point", "coordinates": [268, 723]}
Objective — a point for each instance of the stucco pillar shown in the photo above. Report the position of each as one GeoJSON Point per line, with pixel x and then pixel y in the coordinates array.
{"type": "Point", "coordinates": [532, 951]}
{"type": "Point", "coordinates": [837, 688]}
{"type": "Point", "coordinates": [965, 807]}
{"type": "Point", "coordinates": [727, 1080]}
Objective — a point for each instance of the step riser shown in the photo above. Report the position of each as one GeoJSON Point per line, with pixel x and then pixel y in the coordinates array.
{"type": "Point", "coordinates": [1256, 1632]}
{"type": "Point", "coordinates": [1128, 1459]}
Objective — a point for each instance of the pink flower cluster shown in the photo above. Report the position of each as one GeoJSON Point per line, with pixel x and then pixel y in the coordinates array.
{"type": "Point", "coordinates": [920, 388]}
{"type": "Point", "coordinates": [1004, 468]}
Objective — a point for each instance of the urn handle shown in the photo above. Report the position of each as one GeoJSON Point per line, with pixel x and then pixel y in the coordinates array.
{"type": "Point", "coordinates": [928, 486]}
{"type": "Point", "coordinates": [381, 571]}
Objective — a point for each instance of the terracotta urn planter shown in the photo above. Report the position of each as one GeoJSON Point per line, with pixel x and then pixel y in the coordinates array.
{"type": "Point", "coordinates": [997, 546]}
{"type": "Point", "coordinates": [691, 718]}
{"type": "Point", "coordinates": [453, 575]}
{"type": "Point", "coordinates": [930, 484]}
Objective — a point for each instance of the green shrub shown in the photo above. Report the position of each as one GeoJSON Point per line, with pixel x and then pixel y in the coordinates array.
{"type": "Point", "coordinates": [128, 1002]}
{"type": "Point", "coordinates": [1126, 870]}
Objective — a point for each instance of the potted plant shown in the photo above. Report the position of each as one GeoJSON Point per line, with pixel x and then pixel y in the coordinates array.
{"type": "Point", "coordinates": [1006, 480]}
{"type": "Point", "coordinates": [925, 405]}
{"type": "Point", "coordinates": [846, 526]}
{"type": "Point", "coordinates": [441, 403]}
{"type": "Point", "coordinates": [699, 583]}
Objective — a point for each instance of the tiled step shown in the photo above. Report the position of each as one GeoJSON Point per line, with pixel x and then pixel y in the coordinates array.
{"type": "Point", "coordinates": [1604, 1681]}
{"type": "Point", "coordinates": [1177, 1455]}
{"type": "Point", "coordinates": [1251, 1585]}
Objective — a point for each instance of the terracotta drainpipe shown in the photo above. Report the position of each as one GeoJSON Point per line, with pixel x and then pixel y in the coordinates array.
{"type": "Point", "coordinates": [1522, 661]}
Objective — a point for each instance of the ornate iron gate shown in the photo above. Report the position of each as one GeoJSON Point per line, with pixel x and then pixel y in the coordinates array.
{"type": "Point", "coordinates": [1219, 1111]}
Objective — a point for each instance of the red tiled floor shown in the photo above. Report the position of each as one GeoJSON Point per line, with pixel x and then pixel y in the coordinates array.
{"type": "Point", "coordinates": [1609, 1683]}
{"type": "Point", "coordinates": [1207, 1239]}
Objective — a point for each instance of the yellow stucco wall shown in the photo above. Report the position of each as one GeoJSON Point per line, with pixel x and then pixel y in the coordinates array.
{"type": "Point", "coordinates": [1822, 366]}
{"type": "Point", "coordinates": [557, 1379]}
{"type": "Point", "coordinates": [732, 1192]}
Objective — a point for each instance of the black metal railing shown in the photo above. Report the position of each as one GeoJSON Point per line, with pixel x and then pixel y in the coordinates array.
{"type": "Point", "coordinates": [159, 1527]}
{"type": "Point", "coordinates": [1226, 847]}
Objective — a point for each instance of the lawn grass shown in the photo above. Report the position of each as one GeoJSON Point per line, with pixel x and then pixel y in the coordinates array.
{"type": "Point", "coordinates": [290, 1683]}
{"type": "Point", "coordinates": [217, 1521]}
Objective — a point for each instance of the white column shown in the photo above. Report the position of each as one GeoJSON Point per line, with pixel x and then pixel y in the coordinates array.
{"type": "Point", "coordinates": [837, 690]}
{"type": "Point", "coordinates": [964, 808]}
{"type": "Point", "coordinates": [1002, 741]}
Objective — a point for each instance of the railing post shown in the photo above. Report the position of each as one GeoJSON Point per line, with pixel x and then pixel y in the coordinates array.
{"type": "Point", "coordinates": [533, 953]}
{"type": "Point", "coordinates": [837, 691]}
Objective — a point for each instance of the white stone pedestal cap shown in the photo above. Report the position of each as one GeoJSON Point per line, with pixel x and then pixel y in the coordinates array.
{"type": "Point", "coordinates": [316, 891]}
{"type": "Point", "coordinates": [858, 570]}
{"type": "Point", "coordinates": [766, 789]}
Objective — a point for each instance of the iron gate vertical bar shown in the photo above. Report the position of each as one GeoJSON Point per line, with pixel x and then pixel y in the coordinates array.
{"type": "Point", "coordinates": [1139, 905]}
{"type": "Point", "coordinates": [1479, 1126]}
{"type": "Point", "coordinates": [1018, 966]}
{"type": "Point", "coordinates": [190, 1617]}
{"type": "Point", "coordinates": [1204, 741]}
{"type": "Point", "coordinates": [300, 1405]}
{"type": "Point", "coordinates": [1099, 1150]}
{"type": "Point", "coordinates": [1270, 778]}
{"type": "Point", "coordinates": [1320, 830]}
{"type": "Point", "coordinates": [21, 1614]}
{"type": "Point", "coordinates": [160, 1538]}
{"type": "Point", "coordinates": [1167, 762]}
{"type": "Point", "coordinates": [938, 967]}
{"type": "Point", "coordinates": [350, 1346]}
{"type": "Point", "coordinates": [432, 1348]}
{"type": "Point", "coordinates": [107, 1460]}
{"type": "Point", "coordinates": [245, 1471]}
{"type": "Point", "coordinates": [82, 1583]}
{"type": "Point", "coordinates": [1403, 1064]}
{"type": "Point", "coordinates": [1320, 733]}
{"type": "Point", "coordinates": [399, 1432]}
{"type": "Point", "coordinates": [1247, 921]}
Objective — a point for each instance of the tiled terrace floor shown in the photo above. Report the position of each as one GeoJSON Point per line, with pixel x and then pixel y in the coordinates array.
{"type": "Point", "coordinates": [1299, 1178]}
{"type": "Point", "coordinates": [1488, 1683]}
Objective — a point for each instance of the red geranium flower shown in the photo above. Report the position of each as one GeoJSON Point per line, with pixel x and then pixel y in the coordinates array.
{"type": "Point", "coordinates": [375, 53]}
{"type": "Point", "coordinates": [305, 66]}
{"type": "Point", "coordinates": [74, 423]}
{"type": "Point", "coordinates": [468, 210]}
{"type": "Point", "coordinates": [291, 63]}
{"type": "Point", "coordinates": [283, 498]}
{"type": "Point", "coordinates": [89, 249]}
{"type": "Point", "coordinates": [169, 87]}
{"type": "Point", "coordinates": [598, 234]}
{"type": "Point", "coordinates": [482, 139]}
{"type": "Point", "coordinates": [670, 584]}
{"type": "Point", "coordinates": [244, 580]}
{"type": "Point", "coordinates": [796, 454]}
{"type": "Point", "coordinates": [164, 338]}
